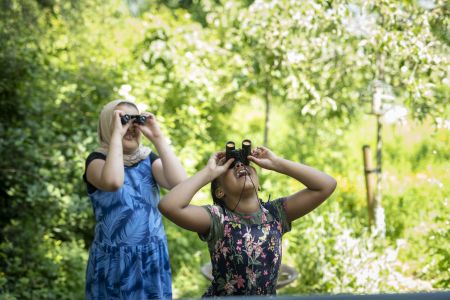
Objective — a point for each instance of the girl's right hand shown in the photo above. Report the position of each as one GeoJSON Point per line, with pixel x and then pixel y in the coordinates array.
{"type": "Point", "coordinates": [217, 164]}
{"type": "Point", "coordinates": [117, 124]}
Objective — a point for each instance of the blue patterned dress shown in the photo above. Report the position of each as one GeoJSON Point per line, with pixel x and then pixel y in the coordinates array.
{"type": "Point", "coordinates": [128, 258]}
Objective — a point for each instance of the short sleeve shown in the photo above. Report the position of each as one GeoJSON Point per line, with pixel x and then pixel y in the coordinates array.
{"type": "Point", "coordinates": [89, 159]}
{"type": "Point", "coordinates": [216, 230]}
{"type": "Point", "coordinates": [94, 155]}
{"type": "Point", "coordinates": [278, 209]}
{"type": "Point", "coordinates": [153, 157]}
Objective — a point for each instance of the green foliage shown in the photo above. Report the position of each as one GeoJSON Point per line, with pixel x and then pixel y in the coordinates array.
{"type": "Point", "coordinates": [51, 102]}
{"type": "Point", "coordinates": [208, 70]}
{"type": "Point", "coordinates": [437, 249]}
{"type": "Point", "coordinates": [336, 259]}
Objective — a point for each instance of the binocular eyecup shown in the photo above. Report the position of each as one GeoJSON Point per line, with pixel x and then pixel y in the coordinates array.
{"type": "Point", "coordinates": [239, 155]}
{"type": "Point", "coordinates": [139, 119]}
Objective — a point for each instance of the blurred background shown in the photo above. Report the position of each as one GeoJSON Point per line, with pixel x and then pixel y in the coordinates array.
{"type": "Point", "coordinates": [314, 81]}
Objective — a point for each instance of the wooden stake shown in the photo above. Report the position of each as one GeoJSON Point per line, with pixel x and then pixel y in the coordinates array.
{"type": "Point", "coordinates": [370, 185]}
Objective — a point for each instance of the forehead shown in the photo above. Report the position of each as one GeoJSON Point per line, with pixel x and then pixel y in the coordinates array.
{"type": "Point", "coordinates": [128, 108]}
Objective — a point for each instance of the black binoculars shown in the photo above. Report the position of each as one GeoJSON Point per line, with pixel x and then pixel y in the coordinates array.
{"type": "Point", "coordinates": [139, 119]}
{"type": "Point", "coordinates": [239, 155]}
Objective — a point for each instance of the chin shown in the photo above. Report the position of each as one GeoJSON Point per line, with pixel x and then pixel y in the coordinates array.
{"type": "Point", "coordinates": [248, 185]}
{"type": "Point", "coordinates": [130, 147]}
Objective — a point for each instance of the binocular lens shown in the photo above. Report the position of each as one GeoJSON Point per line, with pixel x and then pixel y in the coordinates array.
{"type": "Point", "coordinates": [137, 119]}
{"type": "Point", "coordinates": [140, 119]}
{"type": "Point", "coordinates": [124, 119]}
{"type": "Point", "coordinates": [230, 145]}
{"type": "Point", "coordinates": [229, 149]}
{"type": "Point", "coordinates": [240, 155]}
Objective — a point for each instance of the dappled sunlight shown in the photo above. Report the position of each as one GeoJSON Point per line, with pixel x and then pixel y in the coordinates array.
{"type": "Point", "coordinates": [314, 81]}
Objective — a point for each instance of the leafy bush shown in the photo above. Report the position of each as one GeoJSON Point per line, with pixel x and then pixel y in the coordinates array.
{"type": "Point", "coordinates": [437, 270]}
{"type": "Point", "coordinates": [332, 257]}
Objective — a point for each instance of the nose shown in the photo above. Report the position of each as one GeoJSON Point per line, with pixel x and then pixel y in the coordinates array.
{"type": "Point", "coordinates": [238, 164]}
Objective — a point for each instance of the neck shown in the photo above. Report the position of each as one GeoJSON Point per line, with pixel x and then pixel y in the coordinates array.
{"type": "Point", "coordinates": [247, 205]}
{"type": "Point", "coordinates": [130, 151]}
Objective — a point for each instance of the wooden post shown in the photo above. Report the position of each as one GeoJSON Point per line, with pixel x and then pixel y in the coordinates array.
{"type": "Point", "coordinates": [370, 186]}
{"type": "Point", "coordinates": [380, 222]}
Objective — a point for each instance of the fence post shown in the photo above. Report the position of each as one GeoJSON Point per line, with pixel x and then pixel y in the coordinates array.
{"type": "Point", "coordinates": [370, 186]}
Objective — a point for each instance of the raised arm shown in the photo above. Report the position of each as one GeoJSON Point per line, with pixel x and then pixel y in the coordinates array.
{"type": "Point", "coordinates": [109, 175]}
{"type": "Point", "coordinates": [319, 186]}
{"type": "Point", "coordinates": [168, 170]}
{"type": "Point", "coordinates": [176, 206]}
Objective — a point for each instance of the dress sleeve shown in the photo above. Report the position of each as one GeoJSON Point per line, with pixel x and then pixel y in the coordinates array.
{"type": "Point", "coordinates": [153, 157]}
{"type": "Point", "coordinates": [216, 230]}
{"type": "Point", "coordinates": [278, 210]}
{"type": "Point", "coordinates": [89, 159]}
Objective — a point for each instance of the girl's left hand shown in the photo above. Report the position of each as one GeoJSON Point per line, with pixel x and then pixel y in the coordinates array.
{"type": "Point", "coordinates": [150, 128]}
{"type": "Point", "coordinates": [263, 157]}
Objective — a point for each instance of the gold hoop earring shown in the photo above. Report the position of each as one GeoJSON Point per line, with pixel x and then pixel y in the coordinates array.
{"type": "Point", "coordinates": [219, 193]}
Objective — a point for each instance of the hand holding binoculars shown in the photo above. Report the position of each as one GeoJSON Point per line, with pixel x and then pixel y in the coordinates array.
{"type": "Point", "coordinates": [239, 155]}
{"type": "Point", "coordinates": [139, 119]}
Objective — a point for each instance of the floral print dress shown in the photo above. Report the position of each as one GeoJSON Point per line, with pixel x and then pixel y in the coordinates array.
{"type": "Point", "coordinates": [245, 249]}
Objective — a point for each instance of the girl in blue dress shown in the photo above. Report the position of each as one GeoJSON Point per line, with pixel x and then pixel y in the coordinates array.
{"type": "Point", "coordinates": [128, 258]}
{"type": "Point", "coordinates": [243, 234]}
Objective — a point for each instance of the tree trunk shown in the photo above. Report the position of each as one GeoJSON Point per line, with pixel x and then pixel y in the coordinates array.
{"type": "Point", "coordinates": [267, 95]}
{"type": "Point", "coordinates": [380, 224]}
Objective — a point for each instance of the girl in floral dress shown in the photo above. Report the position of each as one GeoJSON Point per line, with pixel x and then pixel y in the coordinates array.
{"type": "Point", "coordinates": [128, 258]}
{"type": "Point", "coordinates": [243, 234]}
